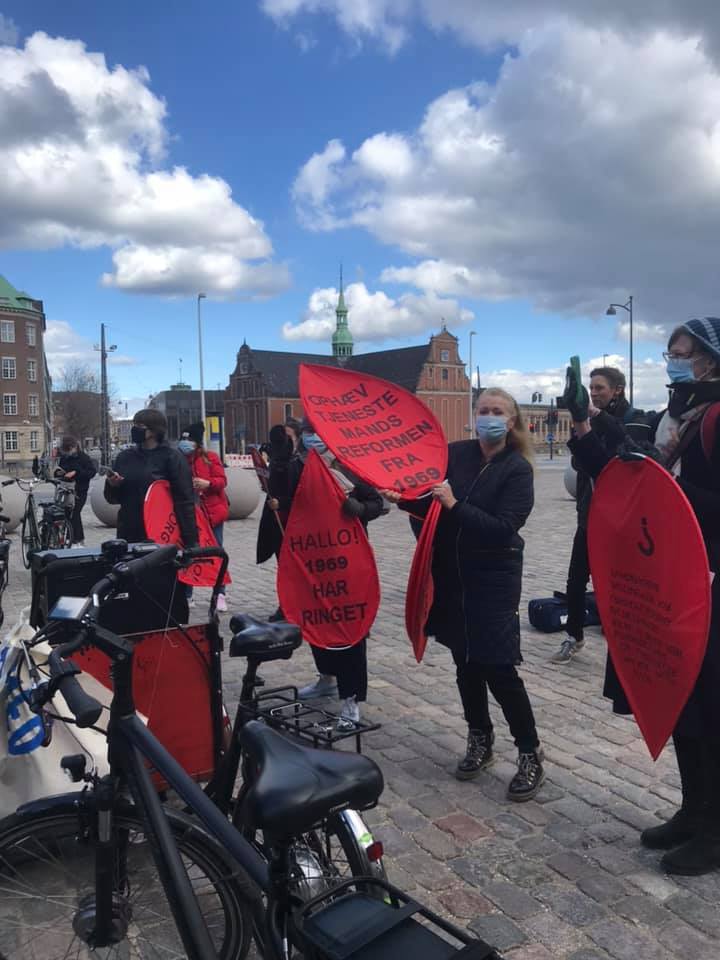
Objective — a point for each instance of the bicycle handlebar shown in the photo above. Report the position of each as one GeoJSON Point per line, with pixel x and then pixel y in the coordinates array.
{"type": "Point", "coordinates": [83, 707]}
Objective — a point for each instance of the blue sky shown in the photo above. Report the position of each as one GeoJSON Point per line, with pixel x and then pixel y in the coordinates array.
{"type": "Point", "coordinates": [478, 168]}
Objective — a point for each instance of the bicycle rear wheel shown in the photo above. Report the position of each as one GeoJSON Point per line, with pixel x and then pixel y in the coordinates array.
{"type": "Point", "coordinates": [47, 883]}
{"type": "Point", "coordinates": [30, 537]}
{"type": "Point", "coordinates": [59, 535]}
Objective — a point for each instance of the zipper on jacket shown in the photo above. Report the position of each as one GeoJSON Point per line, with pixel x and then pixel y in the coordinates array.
{"type": "Point", "coordinates": [457, 561]}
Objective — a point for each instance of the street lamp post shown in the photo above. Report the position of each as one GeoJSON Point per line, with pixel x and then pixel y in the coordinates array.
{"type": "Point", "coordinates": [201, 296]}
{"type": "Point", "coordinates": [611, 312]}
{"type": "Point", "coordinates": [470, 396]}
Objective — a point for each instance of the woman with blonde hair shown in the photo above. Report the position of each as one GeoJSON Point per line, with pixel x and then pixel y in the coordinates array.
{"type": "Point", "coordinates": [477, 575]}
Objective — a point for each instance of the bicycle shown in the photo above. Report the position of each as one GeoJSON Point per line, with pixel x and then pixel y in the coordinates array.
{"type": "Point", "coordinates": [54, 530]}
{"type": "Point", "coordinates": [4, 562]}
{"type": "Point", "coordinates": [212, 878]}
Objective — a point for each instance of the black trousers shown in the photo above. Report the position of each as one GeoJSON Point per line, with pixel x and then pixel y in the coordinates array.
{"type": "Point", "coordinates": [76, 519]}
{"type": "Point", "coordinates": [507, 687]}
{"type": "Point", "coordinates": [577, 581]}
{"type": "Point", "coordinates": [348, 665]}
{"type": "Point", "coordinates": [698, 761]}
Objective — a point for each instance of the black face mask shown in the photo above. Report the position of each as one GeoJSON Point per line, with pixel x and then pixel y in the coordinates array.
{"type": "Point", "coordinates": [137, 434]}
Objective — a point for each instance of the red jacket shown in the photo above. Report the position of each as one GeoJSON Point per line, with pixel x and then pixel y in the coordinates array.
{"type": "Point", "coordinates": [207, 466]}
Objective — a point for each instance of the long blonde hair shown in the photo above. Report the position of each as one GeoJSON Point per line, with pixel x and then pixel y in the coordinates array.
{"type": "Point", "coordinates": [519, 436]}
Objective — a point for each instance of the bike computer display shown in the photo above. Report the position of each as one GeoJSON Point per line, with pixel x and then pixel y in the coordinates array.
{"type": "Point", "coordinates": [70, 608]}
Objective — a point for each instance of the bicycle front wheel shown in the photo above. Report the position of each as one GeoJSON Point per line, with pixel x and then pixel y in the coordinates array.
{"type": "Point", "coordinates": [30, 537]}
{"type": "Point", "coordinates": [47, 884]}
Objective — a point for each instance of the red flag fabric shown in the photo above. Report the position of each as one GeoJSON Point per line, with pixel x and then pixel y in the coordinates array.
{"type": "Point", "coordinates": [420, 588]}
{"type": "Point", "coordinates": [327, 580]}
{"type": "Point", "coordinates": [384, 434]}
{"type": "Point", "coordinates": [162, 527]}
{"type": "Point", "coordinates": [260, 468]}
{"type": "Point", "coordinates": [652, 584]}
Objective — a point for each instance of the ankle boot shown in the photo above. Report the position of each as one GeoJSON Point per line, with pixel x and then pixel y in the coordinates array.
{"type": "Point", "coordinates": [699, 855]}
{"type": "Point", "coordinates": [478, 754]}
{"type": "Point", "coordinates": [678, 830]}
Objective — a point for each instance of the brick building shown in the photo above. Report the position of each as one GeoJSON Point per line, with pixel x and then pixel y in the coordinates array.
{"type": "Point", "coordinates": [26, 411]}
{"type": "Point", "coordinates": [263, 388]}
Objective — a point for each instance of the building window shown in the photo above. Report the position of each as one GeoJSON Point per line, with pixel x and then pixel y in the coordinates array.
{"type": "Point", "coordinates": [11, 441]}
{"type": "Point", "coordinates": [33, 405]}
{"type": "Point", "coordinates": [444, 372]}
{"type": "Point", "coordinates": [9, 371]}
{"type": "Point", "coordinates": [7, 331]}
{"type": "Point", "coordinates": [288, 411]}
{"type": "Point", "coordinates": [10, 404]}
{"type": "Point", "coordinates": [31, 334]}
{"type": "Point", "coordinates": [445, 356]}
{"type": "Point", "coordinates": [34, 441]}
{"type": "Point", "coordinates": [32, 371]}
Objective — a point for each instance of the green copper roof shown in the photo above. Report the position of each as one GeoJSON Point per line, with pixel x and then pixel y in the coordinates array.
{"type": "Point", "coordinates": [342, 340]}
{"type": "Point", "coordinates": [14, 299]}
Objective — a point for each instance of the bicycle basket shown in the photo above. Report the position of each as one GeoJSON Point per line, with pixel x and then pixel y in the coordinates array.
{"type": "Point", "coordinates": [65, 498]}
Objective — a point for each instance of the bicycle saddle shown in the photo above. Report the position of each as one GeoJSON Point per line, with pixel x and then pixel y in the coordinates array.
{"type": "Point", "coordinates": [297, 786]}
{"type": "Point", "coordinates": [262, 641]}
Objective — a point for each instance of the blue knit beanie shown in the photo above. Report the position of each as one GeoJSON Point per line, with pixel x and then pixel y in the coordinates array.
{"type": "Point", "coordinates": [707, 331]}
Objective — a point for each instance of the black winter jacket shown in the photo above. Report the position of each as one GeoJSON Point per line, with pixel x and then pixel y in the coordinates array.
{"type": "Point", "coordinates": [478, 554]}
{"type": "Point", "coordinates": [83, 466]}
{"type": "Point", "coordinates": [140, 468]}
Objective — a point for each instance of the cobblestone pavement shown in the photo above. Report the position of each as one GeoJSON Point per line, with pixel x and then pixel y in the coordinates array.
{"type": "Point", "coordinates": [561, 877]}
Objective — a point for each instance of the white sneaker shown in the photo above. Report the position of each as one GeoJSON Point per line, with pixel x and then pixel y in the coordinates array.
{"type": "Point", "coordinates": [324, 686]}
{"type": "Point", "coordinates": [349, 714]}
{"type": "Point", "coordinates": [221, 603]}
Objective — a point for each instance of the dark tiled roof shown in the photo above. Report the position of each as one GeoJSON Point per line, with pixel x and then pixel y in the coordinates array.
{"type": "Point", "coordinates": [280, 370]}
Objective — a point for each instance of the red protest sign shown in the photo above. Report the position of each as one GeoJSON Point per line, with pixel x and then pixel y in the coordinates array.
{"type": "Point", "coordinates": [420, 588]}
{"type": "Point", "coordinates": [161, 526]}
{"type": "Point", "coordinates": [327, 580]}
{"type": "Point", "coordinates": [381, 432]}
{"type": "Point", "coordinates": [650, 574]}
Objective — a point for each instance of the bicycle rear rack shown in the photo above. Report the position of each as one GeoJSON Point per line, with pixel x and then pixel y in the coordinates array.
{"type": "Point", "coordinates": [281, 708]}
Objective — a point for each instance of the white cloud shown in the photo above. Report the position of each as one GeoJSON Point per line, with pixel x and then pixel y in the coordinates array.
{"type": "Point", "coordinates": [385, 157]}
{"type": "Point", "coordinates": [588, 171]}
{"type": "Point", "coordinates": [65, 346]}
{"type": "Point", "coordinates": [642, 332]}
{"type": "Point", "coordinates": [488, 23]}
{"type": "Point", "coordinates": [81, 149]}
{"type": "Point", "coordinates": [375, 316]}
{"type": "Point", "coordinates": [650, 391]}
{"type": "Point", "coordinates": [9, 32]}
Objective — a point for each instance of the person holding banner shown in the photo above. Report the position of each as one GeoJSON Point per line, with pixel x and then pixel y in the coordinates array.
{"type": "Point", "coordinates": [273, 518]}
{"type": "Point", "coordinates": [149, 459]}
{"type": "Point", "coordinates": [477, 574]}
{"type": "Point", "coordinates": [342, 671]}
{"type": "Point", "coordinates": [209, 482]}
{"type": "Point", "coordinates": [608, 403]}
{"type": "Point", "coordinates": [687, 443]}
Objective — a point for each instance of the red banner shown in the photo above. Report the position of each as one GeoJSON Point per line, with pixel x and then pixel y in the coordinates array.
{"type": "Point", "coordinates": [652, 584]}
{"type": "Point", "coordinates": [381, 432]}
{"type": "Point", "coordinates": [162, 526]}
{"type": "Point", "coordinates": [327, 580]}
{"type": "Point", "coordinates": [420, 588]}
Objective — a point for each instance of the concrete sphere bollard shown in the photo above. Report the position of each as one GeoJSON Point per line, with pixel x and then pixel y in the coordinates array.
{"type": "Point", "coordinates": [243, 491]}
{"type": "Point", "coordinates": [570, 480]}
{"type": "Point", "coordinates": [104, 511]}
{"type": "Point", "coordinates": [13, 503]}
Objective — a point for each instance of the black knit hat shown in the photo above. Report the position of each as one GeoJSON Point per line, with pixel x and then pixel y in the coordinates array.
{"type": "Point", "coordinates": [152, 419]}
{"type": "Point", "coordinates": [196, 432]}
{"type": "Point", "coordinates": [707, 331]}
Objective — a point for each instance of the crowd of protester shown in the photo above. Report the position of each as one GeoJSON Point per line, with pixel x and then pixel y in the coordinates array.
{"type": "Point", "coordinates": [486, 499]}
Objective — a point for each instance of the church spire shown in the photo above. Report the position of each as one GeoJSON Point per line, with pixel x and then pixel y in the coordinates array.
{"type": "Point", "coordinates": [342, 341]}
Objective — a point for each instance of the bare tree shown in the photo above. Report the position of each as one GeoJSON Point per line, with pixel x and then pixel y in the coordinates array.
{"type": "Point", "coordinates": [77, 401]}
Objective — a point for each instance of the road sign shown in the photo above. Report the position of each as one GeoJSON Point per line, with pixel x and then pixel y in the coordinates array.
{"type": "Point", "coordinates": [550, 438]}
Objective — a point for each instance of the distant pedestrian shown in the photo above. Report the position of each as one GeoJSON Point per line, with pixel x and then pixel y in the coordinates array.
{"type": "Point", "coordinates": [274, 517]}
{"type": "Point", "coordinates": [76, 467]}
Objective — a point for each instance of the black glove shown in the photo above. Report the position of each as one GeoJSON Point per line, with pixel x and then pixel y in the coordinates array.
{"type": "Point", "coordinates": [578, 408]}
{"type": "Point", "coordinates": [353, 508]}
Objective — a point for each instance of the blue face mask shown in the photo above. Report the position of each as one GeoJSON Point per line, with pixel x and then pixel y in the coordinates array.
{"type": "Point", "coordinates": [489, 428]}
{"type": "Point", "coordinates": [186, 446]}
{"type": "Point", "coordinates": [311, 441]}
{"type": "Point", "coordinates": [680, 369]}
